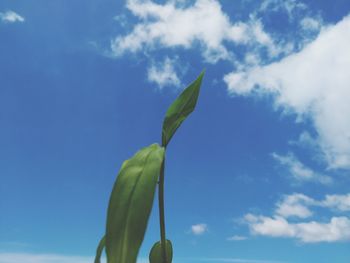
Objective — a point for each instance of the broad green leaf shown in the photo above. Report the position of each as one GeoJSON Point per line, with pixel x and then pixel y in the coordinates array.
{"type": "Point", "coordinates": [99, 250]}
{"type": "Point", "coordinates": [155, 256]}
{"type": "Point", "coordinates": [130, 204]}
{"type": "Point", "coordinates": [180, 109]}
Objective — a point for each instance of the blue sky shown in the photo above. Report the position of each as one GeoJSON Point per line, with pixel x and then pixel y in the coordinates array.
{"type": "Point", "coordinates": [258, 173]}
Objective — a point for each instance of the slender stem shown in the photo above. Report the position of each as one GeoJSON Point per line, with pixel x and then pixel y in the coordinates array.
{"type": "Point", "coordinates": [161, 213]}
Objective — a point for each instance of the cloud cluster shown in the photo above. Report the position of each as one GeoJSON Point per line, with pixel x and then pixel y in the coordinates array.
{"type": "Point", "coordinates": [203, 25]}
{"type": "Point", "coordinates": [11, 17]}
{"type": "Point", "coordinates": [314, 84]}
{"type": "Point", "coordinates": [337, 229]}
{"type": "Point", "coordinates": [297, 206]}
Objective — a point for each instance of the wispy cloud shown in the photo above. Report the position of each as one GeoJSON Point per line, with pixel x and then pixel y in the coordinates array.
{"type": "Point", "coordinates": [236, 260]}
{"type": "Point", "coordinates": [299, 171]}
{"type": "Point", "coordinates": [164, 73]}
{"type": "Point", "coordinates": [311, 24]}
{"type": "Point", "coordinates": [289, 6]}
{"type": "Point", "coordinates": [236, 238]}
{"type": "Point", "coordinates": [11, 17]}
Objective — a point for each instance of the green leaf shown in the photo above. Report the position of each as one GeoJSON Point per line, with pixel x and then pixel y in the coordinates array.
{"type": "Point", "coordinates": [99, 250]}
{"type": "Point", "coordinates": [130, 204]}
{"type": "Point", "coordinates": [180, 109]}
{"type": "Point", "coordinates": [155, 256]}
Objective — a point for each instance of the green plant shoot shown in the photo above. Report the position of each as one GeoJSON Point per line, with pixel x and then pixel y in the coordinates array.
{"type": "Point", "coordinates": [132, 196]}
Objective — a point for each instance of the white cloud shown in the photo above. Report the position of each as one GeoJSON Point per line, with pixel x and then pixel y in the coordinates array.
{"type": "Point", "coordinates": [267, 226]}
{"type": "Point", "coordinates": [48, 258]}
{"type": "Point", "coordinates": [164, 74]}
{"type": "Point", "coordinates": [299, 171]}
{"type": "Point", "coordinates": [11, 17]}
{"type": "Point", "coordinates": [338, 202]}
{"type": "Point", "coordinates": [314, 84]}
{"type": "Point", "coordinates": [305, 140]}
{"type": "Point", "coordinates": [202, 24]}
{"type": "Point", "coordinates": [337, 229]}
{"type": "Point", "coordinates": [237, 238]}
{"type": "Point", "coordinates": [199, 229]}
{"type": "Point", "coordinates": [295, 205]}
{"type": "Point", "coordinates": [298, 206]}
{"type": "Point", "coordinates": [41, 258]}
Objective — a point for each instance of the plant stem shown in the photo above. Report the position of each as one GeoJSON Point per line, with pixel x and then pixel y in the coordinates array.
{"type": "Point", "coordinates": [161, 213]}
